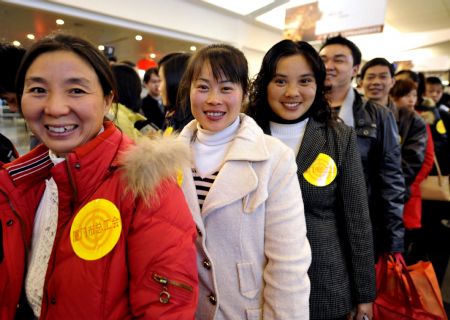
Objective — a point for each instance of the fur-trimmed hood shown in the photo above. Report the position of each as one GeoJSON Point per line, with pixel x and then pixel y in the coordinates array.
{"type": "Point", "coordinates": [151, 160]}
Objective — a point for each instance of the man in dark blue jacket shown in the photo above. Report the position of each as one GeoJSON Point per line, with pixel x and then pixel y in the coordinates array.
{"type": "Point", "coordinates": [378, 142]}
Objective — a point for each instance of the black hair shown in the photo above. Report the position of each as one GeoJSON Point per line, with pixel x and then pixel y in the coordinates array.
{"type": "Point", "coordinates": [377, 62]}
{"type": "Point", "coordinates": [434, 80]}
{"type": "Point", "coordinates": [82, 48]}
{"type": "Point", "coordinates": [128, 85]}
{"type": "Point", "coordinates": [148, 74]}
{"type": "Point", "coordinates": [225, 61]}
{"type": "Point", "coordinates": [174, 67]}
{"type": "Point", "coordinates": [10, 58]}
{"type": "Point", "coordinates": [259, 107]}
{"type": "Point", "coordinates": [356, 53]}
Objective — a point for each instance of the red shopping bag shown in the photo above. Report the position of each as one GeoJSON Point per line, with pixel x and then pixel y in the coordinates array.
{"type": "Point", "coordinates": [400, 297]}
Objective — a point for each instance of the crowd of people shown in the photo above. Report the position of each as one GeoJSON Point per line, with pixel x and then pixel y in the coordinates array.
{"type": "Point", "coordinates": [215, 197]}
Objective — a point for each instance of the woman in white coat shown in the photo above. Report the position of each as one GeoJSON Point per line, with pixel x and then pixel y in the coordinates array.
{"type": "Point", "coordinates": [242, 189]}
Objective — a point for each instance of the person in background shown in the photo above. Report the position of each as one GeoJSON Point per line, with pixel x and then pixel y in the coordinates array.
{"type": "Point", "coordinates": [377, 79]}
{"type": "Point", "coordinates": [418, 78]}
{"type": "Point", "coordinates": [435, 214]}
{"type": "Point", "coordinates": [104, 232]}
{"type": "Point", "coordinates": [152, 107]}
{"type": "Point", "coordinates": [378, 143]}
{"type": "Point", "coordinates": [10, 58]}
{"type": "Point", "coordinates": [242, 189]}
{"type": "Point", "coordinates": [171, 70]}
{"type": "Point", "coordinates": [438, 119]}
{"type": "Point", "coordinates": [125, 113]}
{"type": "Point", "coordinates": [287, 99]}
{"type": "Point", "coordinates": [434, 89]}
{"type": "Point", "coordinates": [404, 96]}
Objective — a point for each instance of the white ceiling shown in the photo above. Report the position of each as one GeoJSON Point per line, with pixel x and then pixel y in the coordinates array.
{"type": "Point", "coordinates": [417, 30]}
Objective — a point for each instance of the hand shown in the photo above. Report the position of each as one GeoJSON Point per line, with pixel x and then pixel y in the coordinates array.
{"type": "Point", "coordinates": [361, 310]}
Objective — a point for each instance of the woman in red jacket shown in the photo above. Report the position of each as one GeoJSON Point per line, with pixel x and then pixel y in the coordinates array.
{"type": "Point", "coordinates": [91, 226]}
{"type": "Point", "coordinates": [404, 95]}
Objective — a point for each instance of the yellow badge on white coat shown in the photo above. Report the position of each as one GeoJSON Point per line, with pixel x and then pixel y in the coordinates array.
{"type": "Point", "coordinates": [440, 127]}
{"type": "Point", "coordinates": [322, 171]}
{"type": "Point", "coordinates": [95, 229]}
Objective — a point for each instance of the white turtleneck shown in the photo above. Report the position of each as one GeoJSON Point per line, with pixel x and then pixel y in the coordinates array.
{"type": "Point", "coordinates": [290, 134]}
{"type": "Point", "coordinates": [210, 148]}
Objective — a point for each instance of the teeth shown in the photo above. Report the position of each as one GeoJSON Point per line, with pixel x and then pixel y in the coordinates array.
{"type": "Point", "coordinates": [215, 114]}
{"type": "Point", "coordinates": [61, 129]}
{"type": "Point", "coordinates": [291, 104]}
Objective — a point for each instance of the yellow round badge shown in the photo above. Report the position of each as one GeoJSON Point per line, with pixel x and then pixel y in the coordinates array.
{"type": "Point", "coordinates": [95, 229]}
{"type": "Point", "coordinates": [440, 127]}
{"type": "Point", "coordinates": [322, 171]}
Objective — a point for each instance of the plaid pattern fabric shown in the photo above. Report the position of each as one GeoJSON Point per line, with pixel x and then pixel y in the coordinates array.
{"type": "Point", "coordinates": [338, 224]}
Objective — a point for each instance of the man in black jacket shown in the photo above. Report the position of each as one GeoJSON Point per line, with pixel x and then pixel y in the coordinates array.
{"type": "Point", "coordinates": [151, 104]}
{"type": "Point", "coordinates": [377, 78]}
{"type": "Point", "coordinates": [378, 142]}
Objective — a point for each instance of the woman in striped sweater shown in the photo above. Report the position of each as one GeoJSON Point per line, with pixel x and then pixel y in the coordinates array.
{"type": "Point", "coordinates": [243, 192]}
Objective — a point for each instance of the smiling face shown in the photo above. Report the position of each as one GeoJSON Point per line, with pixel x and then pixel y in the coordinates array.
{"type": "Point", "coordinates": [376, 83]}
{"type": "Point", "coordinates": [215, 103]}
{"type": "Point", "coordinates": [292, 90]}
{"type": "Point", "coordinates": [63, 101]}
{"type": "Point", "coordinates": [338, 62]}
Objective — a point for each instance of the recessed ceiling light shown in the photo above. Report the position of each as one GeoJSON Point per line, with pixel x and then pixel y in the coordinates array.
{"type": "Point", "coordinates": [30, 36]}
{"type": "Point", "coordinates": [193, 48]}
{"type": "Point", "coordinates": [152, 55]}
{"type": "Point", "coordinates": [16, 43]}
{"type": "Point", "coordinates": [59, 22]}
{"type": "Point", "coordinates": [101, 47]}
{"type": "Point", "coordinates": [138, 37]}
{"type": "Point", "coordinates": [239, 6]}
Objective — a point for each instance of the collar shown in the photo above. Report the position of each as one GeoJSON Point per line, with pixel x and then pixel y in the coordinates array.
{"type": "Point", "coordinates": [346, 111]}
{"type": "Point", "coordinates": [85, 166]}
{"type": "Point", "coordinates": [247, 145]}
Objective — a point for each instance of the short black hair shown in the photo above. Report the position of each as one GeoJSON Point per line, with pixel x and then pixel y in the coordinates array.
{"type": "Point", "coordinates": [356, 53]}
{"type": "Point", "coordinates": [148, 74]}
{"type": "Point", "coordinates": [434, 80]}
{"type": "Point", "coordinates": [377, 62]}
{"type": "Point", "coordinates": [10, 58]}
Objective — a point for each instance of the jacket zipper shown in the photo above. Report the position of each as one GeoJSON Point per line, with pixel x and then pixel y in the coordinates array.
{"type": "Point", "coordinates": [164, 295]}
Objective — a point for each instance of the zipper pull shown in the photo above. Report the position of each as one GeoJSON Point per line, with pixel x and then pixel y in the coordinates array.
{"type": "Point", "coordinates": [164, 295]}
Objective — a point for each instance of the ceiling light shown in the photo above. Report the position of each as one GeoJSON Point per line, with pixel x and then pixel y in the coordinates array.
{"type": "Point", "coordinates": [16, 43]}
{"type": "Point", "coordinates": [30, 36]}
{"type": "Point", "coordinates": [59, 22]}
{"type": "Point", "coordinates": [138, 37]}
{"type": "Point", "coordinates": [193, 48]}
{"type": "Point", "coordinates": [101, 47]}
{"type": "Point", "coordinates": [152, 55]}
{"type": "Point", "coordinates": [239, 6]}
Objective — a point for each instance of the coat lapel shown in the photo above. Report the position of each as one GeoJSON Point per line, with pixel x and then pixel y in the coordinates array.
{"type": "Point", "coordinates": [313, 141]}
{"type": "Point", "coordinates": [235, 180]}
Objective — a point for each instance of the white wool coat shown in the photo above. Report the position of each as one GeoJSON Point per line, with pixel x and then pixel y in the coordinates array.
{"type": "Point", "coordinates": [253, 254]}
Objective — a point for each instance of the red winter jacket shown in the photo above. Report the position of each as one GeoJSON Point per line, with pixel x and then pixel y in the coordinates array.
{"type": "Point", "coordinates": [412, 212]}
{"type": "Point", "coordinates": [149, 269]}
